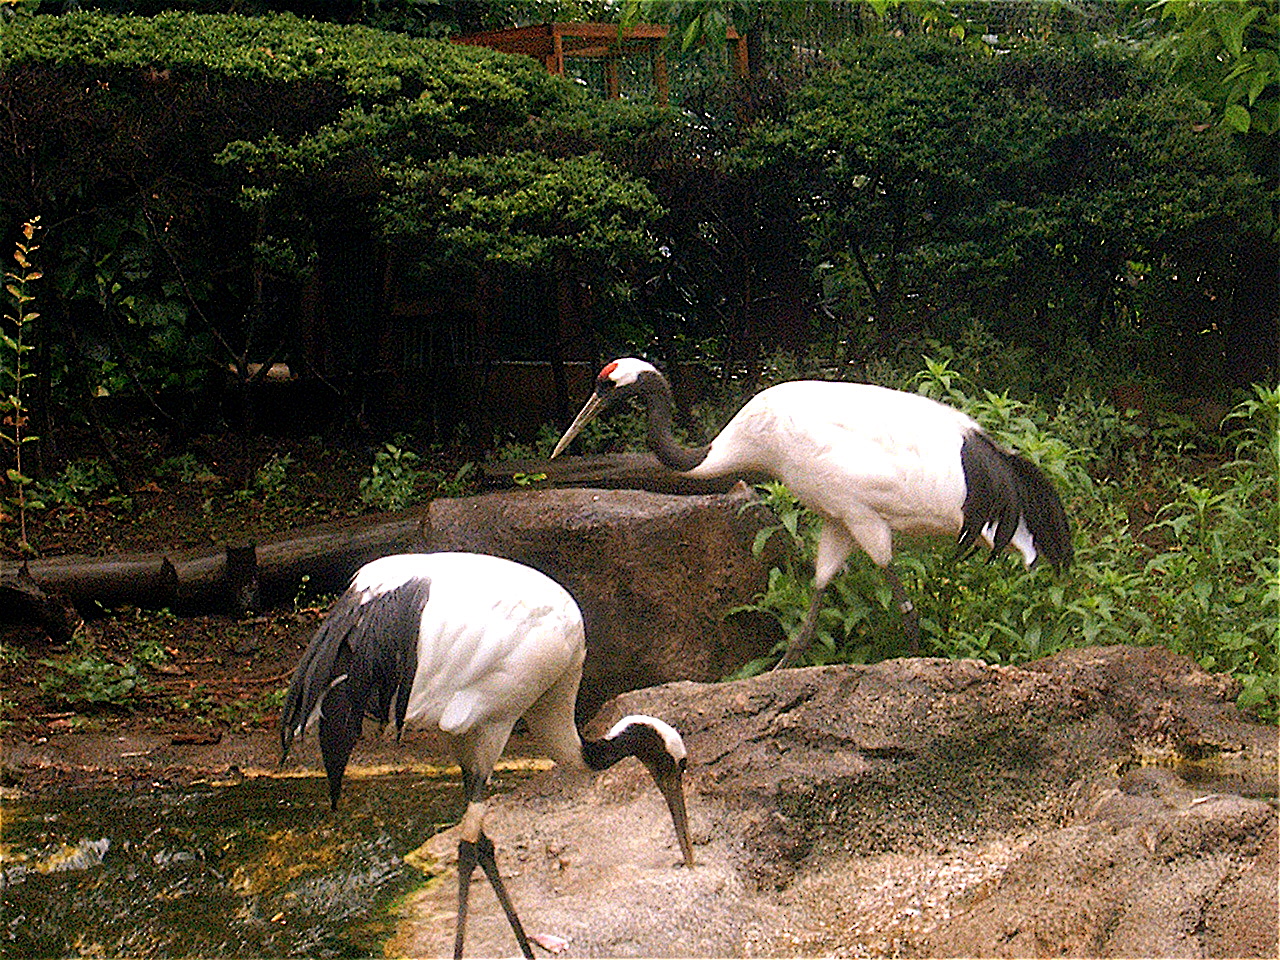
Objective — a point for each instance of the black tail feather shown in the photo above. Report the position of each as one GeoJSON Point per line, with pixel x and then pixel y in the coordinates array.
{"type": "Point", "coordinates": [361, 662]}
{"type": "Point", "coordinates": [1003, 488]}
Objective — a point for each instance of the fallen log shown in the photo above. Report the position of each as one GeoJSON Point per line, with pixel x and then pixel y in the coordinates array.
{"type": "Point", "coordinates": [22, 600]}
{"type": "Point", "coordinates": [327, 554]}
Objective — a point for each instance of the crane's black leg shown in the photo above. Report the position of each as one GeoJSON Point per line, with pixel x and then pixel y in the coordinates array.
{"type": "Point", "coordinates": [910, 619]}
{"type": "Point", "coordinates": [466, 867]}
{"type": "Point", "coordinates": [800, 644]}
{"type": "Point", "coordinates": [484, 850]}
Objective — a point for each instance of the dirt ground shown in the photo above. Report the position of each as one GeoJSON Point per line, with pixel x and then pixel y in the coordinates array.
{"type": "Point", "coordinates": [208, 682]}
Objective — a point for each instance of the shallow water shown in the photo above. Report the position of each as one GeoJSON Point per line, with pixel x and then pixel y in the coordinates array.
{"type": "Point", "coordinates": [260, 868]}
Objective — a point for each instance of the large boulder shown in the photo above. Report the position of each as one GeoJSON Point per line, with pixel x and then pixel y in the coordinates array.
{"type": "Point", "coordinates": [1100, 802]}
{"type": "Point", "coordinates": [654, 574]}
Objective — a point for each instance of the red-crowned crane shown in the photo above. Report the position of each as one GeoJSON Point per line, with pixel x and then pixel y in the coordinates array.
{"type": "Point", "coordinates": [868, 461]}
{"type": "Point", "coordinates": [465, 645]}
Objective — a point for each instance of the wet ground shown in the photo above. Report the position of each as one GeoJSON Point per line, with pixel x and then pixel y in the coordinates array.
{"type": "Point", "coordinates": [209, 859]}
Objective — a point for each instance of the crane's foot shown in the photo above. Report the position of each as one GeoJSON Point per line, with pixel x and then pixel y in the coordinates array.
{"type": "Point", "coordinates": [550, 942]}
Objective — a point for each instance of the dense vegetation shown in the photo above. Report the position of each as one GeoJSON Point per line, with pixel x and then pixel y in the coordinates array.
{"type": "Point", "coordinates": [1047, 227]}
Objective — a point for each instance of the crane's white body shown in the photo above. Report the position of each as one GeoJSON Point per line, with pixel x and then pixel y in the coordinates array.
{"type": "Point", "coordinates": [496, 640]}
{"type": "Point", "coordinates": [867, 459]}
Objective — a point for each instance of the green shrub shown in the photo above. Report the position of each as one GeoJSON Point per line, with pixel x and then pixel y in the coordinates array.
{"type": "Point", "coordinates": [396, 480]}
{"type": "Point", "coordinates": [79, 482]}
{"type": "Point", "coordinates": [89, 678]}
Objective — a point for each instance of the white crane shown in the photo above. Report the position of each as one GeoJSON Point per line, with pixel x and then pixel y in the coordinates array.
{"type": "Point", "coordinates": [465, 645]}
{"type": "Point", "coordinates": [869, 461]}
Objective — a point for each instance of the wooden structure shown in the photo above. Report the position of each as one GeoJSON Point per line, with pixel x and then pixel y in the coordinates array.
{"type": "Point", "coordinates": [552, 43]}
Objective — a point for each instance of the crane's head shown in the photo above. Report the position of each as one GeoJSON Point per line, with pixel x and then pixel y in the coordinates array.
{"type": "Point", "coordinates": [660, 748]}
{"type": "Point", "coordinates": [620, 378]}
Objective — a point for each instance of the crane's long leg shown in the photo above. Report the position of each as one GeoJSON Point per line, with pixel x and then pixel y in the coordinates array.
{"type": "Point", "coordinates": [484, 849]}
{"type": "Point", "coordinates": [474, 847]}
{"type": "Point", "coordinates": [466, 867]}
{"type": "Point", "coordinates": [481, 852]}
{"type": "Point", "coordinates": [910, 622]}
{"type": "Point", "coordinates": [910, 619]}
{"type": "Point", "coordinates": [800, 643]}
{"type": "Point", "coordinates": [834, 546]}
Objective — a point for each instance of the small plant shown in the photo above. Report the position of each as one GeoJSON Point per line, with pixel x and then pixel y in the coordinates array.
{"type": "Point", "coordinates": [270, 477]}
{"type": "Point", "coordinates": [393, 481]}
{"type": "Point", "coordinates": [91, 679]}
{"type": "Point", "coordinates": [397, 480]}
{"type": "Point", "coordinates": [12, 656]}
{"type": "Point", "coordinates": [79, 482]}
{"type": "Point", "coordinates": [456, 486]}
{"type": "Point", "coordinates": [187, 468]}
{"type": "Point", "coordinates": [13, 407]}
{"type": "Point", "coordinates": [150, 652]}
{"type": "Point", "coordinates": [250, 713]}
{"type": "Point", "coordinates": [300, 595]}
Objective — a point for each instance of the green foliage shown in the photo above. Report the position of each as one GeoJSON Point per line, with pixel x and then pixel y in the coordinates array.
{"type": "Point", "coordinates": [1203, 579]}
{"type": "Point", "coordinates": [79, 482]}
{"type": "Point", "coordinates": [1060, 193]}
{"type": "Point", "coordinates": [396, 480]}
{"type": "Point", "coordinates": [199, 167]}
{"type": "Point", "coordinates": [393, 481]}
{"type": "Point", "coordinates": [1217, 586]}
{"type": "Point", "coordinates": [525, 211]}
{"type": "Point", "coordinates": [187, 468]}
{"type": "Point", "coordinates": [1228, 51]}
{"type": "Point", "coordinates": [269, 479]}
{"type": "Point", "coordinates": [88, 678]}
{"type": "Point", "coordinates": [255, 712]}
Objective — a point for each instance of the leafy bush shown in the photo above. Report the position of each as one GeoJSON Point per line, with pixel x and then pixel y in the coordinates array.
{"type": "Point", "coordinates": [1061, 193]}
{"type": "Point", "coordinates": [396, 481]}
{"type": "Point", "coordinates": [204, 168]}
{"type": "Point", "coordinates": [392, 483]}
{"type": "Point", "coordinates": [79, 482]}
{"type": "Point", "coordinates": [1203, 579]}
{"type": "Point", "coordinates": [89, 678]}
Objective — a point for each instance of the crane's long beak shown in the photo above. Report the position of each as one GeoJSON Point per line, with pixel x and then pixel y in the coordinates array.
{"type": "Point", "coordinates": [672, 787]}
{"type": "Point", "coordinates": [595, 403]}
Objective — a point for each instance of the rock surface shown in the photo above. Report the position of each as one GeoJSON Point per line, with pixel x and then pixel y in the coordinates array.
{"type": "Point", "coordinates": [1100, 802]}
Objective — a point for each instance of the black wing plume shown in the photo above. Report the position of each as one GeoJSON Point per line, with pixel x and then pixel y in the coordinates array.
{"type": "Point", "coordinates": [361, 662]}
{"type": "Point", "coordinates": [1002, 488]}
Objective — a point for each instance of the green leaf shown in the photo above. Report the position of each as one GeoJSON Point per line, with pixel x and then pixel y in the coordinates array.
{"type": "Point", "coordinates": [1236, 116]}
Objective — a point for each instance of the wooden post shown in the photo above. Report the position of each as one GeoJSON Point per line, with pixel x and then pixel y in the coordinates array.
{"type": "Point", "coordinates": [660, 85]}
{"type": "Point", "coordinates": [611, 78]}
{"type": "Point", "coordinates": [556, 63]}
{"type": "Point", "coordinates": [741, 66]}
{"type": "Point", "coordinates": [242, 578]}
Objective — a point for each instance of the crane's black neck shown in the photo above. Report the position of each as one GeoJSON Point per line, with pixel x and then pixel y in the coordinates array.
{"type": "Point", "coordinates": [637, 740]}
{"type": "Point", "coordinates": [660, 404]}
